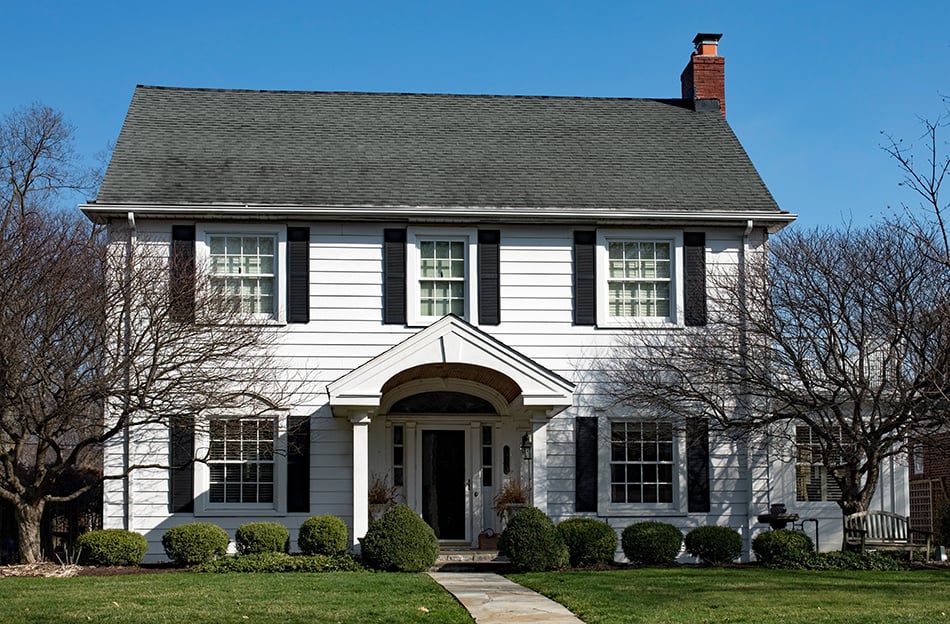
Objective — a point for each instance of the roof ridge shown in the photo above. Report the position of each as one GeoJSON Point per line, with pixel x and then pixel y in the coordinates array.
{"type": "Point", "coordinates": [411, 93]}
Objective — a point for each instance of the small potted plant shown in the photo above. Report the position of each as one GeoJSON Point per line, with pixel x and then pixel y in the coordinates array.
{"type": "Point", "coordinates": [510, 499]}
{"type": "Point", "coordinates": [381, 496]}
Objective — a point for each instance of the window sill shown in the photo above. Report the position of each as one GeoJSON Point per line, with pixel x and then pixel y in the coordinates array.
{"type": "Point", "coordinates": [250, 510]}
{"type": "Point", "coordinates": [659, 510]}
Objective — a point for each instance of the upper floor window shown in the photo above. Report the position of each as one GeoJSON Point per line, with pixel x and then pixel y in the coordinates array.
{"type": "Point", "coordinates": [813, 480]}
{"type": "Point", "coordinates": [441, 278]}
{"type": "Point", "coordinates": [244, 265]}
{"type": "Point", "coordinates": [242, 272]}
{"type": "Point", "coordinates": [639, 278]}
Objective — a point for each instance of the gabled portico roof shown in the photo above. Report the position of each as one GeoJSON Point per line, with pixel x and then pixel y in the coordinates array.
{"type": "Point", "coordinates": [451, 347]}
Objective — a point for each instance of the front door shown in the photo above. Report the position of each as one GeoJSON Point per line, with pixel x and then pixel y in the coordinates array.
{"type": "Point", "coordinates": [444, 491]}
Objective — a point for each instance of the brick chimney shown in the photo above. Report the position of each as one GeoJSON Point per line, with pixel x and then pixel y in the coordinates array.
{"type": "Point", "coordinates": [704, 79]}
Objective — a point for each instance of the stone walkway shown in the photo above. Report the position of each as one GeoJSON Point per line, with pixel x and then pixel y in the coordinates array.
{"type": "Point", "coordinates": [493, 599]}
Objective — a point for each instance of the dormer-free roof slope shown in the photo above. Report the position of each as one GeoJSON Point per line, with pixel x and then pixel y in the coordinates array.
{"type": "Point", "coordinates": [207, 147]}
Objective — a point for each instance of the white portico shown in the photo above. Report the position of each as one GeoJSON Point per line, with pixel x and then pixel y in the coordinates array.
{"type": "Point", "coordinates": [460, 400]}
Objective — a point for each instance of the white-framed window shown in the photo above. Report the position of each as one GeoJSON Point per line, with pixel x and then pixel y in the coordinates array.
{"type": "Point", "coordinates": [441, 275]}
{"type": "Point", "coordinates": [244, 467]}
{"type": "Point", "coordinates": [641, 462]}
{"type": "Point", "coordinates": [243, 268]}
{"type": "Point", "coordinates": [813, 482]}
{"type": "Point", "coordinates": [917, 453]}
{"type": "Point", "coordinates": [241, 461]}
{"type": "Point", "coordinates": [639, 277]}
{"type": "Point", "coordinates": [642, 467]}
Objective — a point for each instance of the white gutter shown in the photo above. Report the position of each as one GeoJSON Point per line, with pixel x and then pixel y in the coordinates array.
{"type": "Point", "coordinates": [433, 213]}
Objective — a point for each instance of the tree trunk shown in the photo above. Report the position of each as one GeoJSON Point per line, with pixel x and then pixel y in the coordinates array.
{"type": "Point", "coordinates": [29, 519]}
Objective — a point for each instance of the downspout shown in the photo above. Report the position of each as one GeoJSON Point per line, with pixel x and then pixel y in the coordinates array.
{"type": "Point", "coordinates": [127, 375]}
{"type": "Point", "coordinates": [743, 346]}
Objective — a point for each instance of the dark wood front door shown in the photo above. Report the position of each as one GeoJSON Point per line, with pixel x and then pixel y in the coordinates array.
{"type": "Point", "coordinates": [443, 483]}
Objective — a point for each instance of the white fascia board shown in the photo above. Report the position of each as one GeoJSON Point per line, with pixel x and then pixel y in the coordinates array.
{"type": "Point", "coordinates": [101, 213]}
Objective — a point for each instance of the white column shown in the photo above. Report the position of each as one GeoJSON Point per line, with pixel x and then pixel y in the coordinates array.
{"type": "Point", "coordinates": [539, 463]}
{"type": "Point", "coordinates": [360, 423]}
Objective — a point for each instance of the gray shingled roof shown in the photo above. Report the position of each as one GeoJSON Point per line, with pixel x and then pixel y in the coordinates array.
{"type": "Point", "coordinates": [282, 148]}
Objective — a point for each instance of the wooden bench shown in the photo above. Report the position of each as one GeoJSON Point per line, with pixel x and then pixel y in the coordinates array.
{"type": "Point", "coordinates": [883, 530]}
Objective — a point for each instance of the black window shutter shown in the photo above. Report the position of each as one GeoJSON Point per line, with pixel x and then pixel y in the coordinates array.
{"type": "Point", "coordinates": [489, 303]}
{"type": "Point", "coordinates": [298, 275]}
{"type": "Point", "coordinates": [394, 277]}
{"type": "Point", "coordinates": [298, 464]}
{"type": "Point", "coordinates": [182, 278]}
{"type": "Point", "coordinates": [585, 464]}
{"type": "Point", "coordinates": [695, 277]}
{"type": "Point", "coordinates": [182, 468]}
{"type": "Point", "coordinates": [697, 465]}
{"type": "Point", "coordinates": [585, 287]}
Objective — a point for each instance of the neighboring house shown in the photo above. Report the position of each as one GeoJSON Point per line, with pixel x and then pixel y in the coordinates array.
{"type": "Point", "coordinates": [450, 272]}
{"type": "Point", "coordinates": [929, 481]}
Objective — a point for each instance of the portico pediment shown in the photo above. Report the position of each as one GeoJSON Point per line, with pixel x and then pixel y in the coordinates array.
{"type": "Point", "coordinates": [451, 348]}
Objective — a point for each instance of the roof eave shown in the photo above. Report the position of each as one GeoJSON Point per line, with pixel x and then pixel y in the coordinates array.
{"type": "Point", "coordinates": [102, 213]}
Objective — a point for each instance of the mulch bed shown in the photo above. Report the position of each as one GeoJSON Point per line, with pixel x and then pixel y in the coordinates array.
{"type": "Point", "coordinates": [47, 569]}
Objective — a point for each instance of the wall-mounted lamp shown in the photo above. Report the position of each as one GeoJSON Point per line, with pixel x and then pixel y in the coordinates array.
{"type": "Point", "coordinates": [526, 447]}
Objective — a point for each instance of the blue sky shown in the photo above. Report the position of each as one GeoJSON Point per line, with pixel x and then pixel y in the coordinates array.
{"type": "Point", "coordinates": [809, 85]}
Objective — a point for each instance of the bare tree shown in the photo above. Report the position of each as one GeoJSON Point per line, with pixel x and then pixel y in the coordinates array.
{"type": "Point", "coordinates": [94, 344]}
{"type": "Point", "coordinates": [924, 165]}
{"type": "Point", "coordinates": [842, 331]}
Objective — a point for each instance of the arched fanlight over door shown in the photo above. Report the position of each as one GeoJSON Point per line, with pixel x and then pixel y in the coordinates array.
{"type": "Point", "coordinates": [442, 402]}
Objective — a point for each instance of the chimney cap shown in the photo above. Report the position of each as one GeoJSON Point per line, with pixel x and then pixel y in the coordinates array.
{"type": "Point", "coordinates": [706, 38]}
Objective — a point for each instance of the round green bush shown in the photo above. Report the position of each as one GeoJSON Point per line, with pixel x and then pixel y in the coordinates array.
{"type": "Point", "coordinates": [260, 537]}
{"type": "Point", "coordinates": [774, 547]}
{"type": "Point", "coordinates": [651, 543]}
{"type": "Point", "coordinates": [532, 543]}
{"type": "Point", "coordinates": [195, 543]}
{"type": "Point", "coordinates": [112, 547]}
{"type": "Point", "coordinates": [323, 535]}
{"type": "Point", "coordinates": [714, 544]}
{"type": "Point", "coordinates": [400, 541]}
{"type": "Point", "coordinates": [589, 542]}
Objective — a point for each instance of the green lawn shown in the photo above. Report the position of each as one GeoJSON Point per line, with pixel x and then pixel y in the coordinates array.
{"type": "Point", "coordinates": [675, 595]}
{"type": "Point", "coordinates": [695, 595]}
{"type": "Point", "coordinates": [350, 597]}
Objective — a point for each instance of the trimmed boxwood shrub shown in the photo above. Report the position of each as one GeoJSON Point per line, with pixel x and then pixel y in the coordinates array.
{"type": "Point", "coordinates": [651, 543]}
{"type": "Point", "coordinates": [774, 547]}
{"type": "Point", "coordinates": [400, 541]}
{"type": "Point", "coordinates": [714, 544]}
{"type": "Point", "coordinates": [260, 537]}
{"type": "Point", "coordinates": [112, 547]}
{"type": "Point", "coordinates": [195, 543]}
{"type": "Point", "coordinates": [323, 535]}
{"type": "Point", "coordinates": [589, 541]}
{"type": "Point", "coordinates": [532, 543]}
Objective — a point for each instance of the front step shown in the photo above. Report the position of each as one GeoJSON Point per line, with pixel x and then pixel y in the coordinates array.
{"type": "Point", "coordinates": [470, 561]}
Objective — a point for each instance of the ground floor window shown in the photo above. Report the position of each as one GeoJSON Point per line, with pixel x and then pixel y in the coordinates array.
{"type": "Point", "coordinates": [813, 481]}
{"type": "Point", "coordinates": [641, 462]}
{"type": "Point", "coordinates": [241, 460]}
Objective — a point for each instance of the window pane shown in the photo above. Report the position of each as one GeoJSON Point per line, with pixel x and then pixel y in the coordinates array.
{"type": "Point", "coordinates": [642, 461]}
{"type": "Point", "coordinates": [442, 278]}
{"type": "Point", "coordinates": [243, 472]}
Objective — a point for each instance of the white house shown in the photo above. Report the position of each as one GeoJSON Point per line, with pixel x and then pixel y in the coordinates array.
{"type": "Point", "coordinates": [448, 273]}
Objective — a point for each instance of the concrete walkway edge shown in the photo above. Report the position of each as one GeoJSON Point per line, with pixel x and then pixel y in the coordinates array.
{"type": "Point", "coordinates": [493, 599]}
